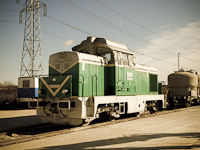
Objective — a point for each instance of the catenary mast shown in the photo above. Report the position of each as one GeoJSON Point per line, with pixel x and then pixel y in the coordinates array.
{"type": "Point", "coordinates": [32, 60]}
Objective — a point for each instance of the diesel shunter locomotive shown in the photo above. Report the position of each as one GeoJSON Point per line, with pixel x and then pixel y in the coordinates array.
{"type": "Point", "coordinates": [98, 78]}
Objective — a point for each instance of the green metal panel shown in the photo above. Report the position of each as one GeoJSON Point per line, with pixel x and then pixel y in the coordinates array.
{"type": "Point", "coordinates": [128, 81]}
{"type": "Point", "coordinates": [52, 86]}
{"type": "Point", "coordinates": [91, 80]}
{"type": "Point", "coordinates": [72, 71]}
{"type": "Point", "coordinates": [87, 79]}
{"type": "Point", "coordinates": [125, 81]}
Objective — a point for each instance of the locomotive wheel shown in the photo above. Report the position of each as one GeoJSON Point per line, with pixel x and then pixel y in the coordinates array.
{"type": "Point", "coordinates": [113, 115]}
{"type": "Point", "coordinates": [111, 118]}
{"type": "Point", "coordinates": [152, 109]}
{"type": "Point", "coordinates": [138, 114]}
{"type": "Point", "coordinates": [84, 123]}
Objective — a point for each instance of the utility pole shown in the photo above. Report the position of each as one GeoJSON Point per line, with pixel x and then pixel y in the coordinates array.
{"type": "Point", "coordinates": [32, 60]}
{"type": "Point", "coordinates": [178, 61]}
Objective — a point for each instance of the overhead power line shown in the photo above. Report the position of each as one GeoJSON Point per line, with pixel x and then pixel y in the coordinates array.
{"type": "Point", "coordinates": [54, 19]}
{"type": "Point", "coordinates": [141, 26]}
{"type": "Point", "coordinates": [101, 20]}
{"type": "Point", "coordinates": [10, 1]}
{"type": "Point", "coordinates": [9, 21]}
{"type": "Point", "coordinates": [81, 30]}
{"type": "Point", "coordinates": [84, 32]}
{"type": "Point", "coordinates": [154, 58]}
{"type": "Point", "coordinates": [9, 10]}
{"type": "Point", "coordinates": [71, 26]}
{"type": "Point", "coordinates": [77, 43]}
{"type": "Point", "coordinates": [148, 31]}
{"type": "Point", "coordinates": [59, 37]}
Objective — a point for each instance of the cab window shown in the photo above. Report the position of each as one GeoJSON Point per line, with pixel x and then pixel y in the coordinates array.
{"type": "Point", "coordinates": [130, 60]}
{"type": "Point", "coordinates": [117, 57]}
{"type": "Point", "coordinates": [26, 83]}
{"type": "Point", "coordinates": [125, 59]}
{"type": "Point", "coordinates": [58, 65]}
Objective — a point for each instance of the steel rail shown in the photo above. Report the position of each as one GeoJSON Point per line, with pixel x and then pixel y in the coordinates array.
{"type": "Point", "coordinates": [10, 137]}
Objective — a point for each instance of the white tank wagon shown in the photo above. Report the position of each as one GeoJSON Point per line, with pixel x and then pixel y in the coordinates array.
{"type": "Point", "coordinates": [183, 88]}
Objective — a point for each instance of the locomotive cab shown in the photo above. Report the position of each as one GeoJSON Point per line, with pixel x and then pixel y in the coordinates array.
{"type": "Point", "coordinates": [107, 49]}
{"type": "Point", "coordinates": [116, 57]}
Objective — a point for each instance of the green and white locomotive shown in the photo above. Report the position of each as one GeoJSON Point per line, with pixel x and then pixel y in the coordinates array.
{"type": "Point", "coordinates": [99, 77]}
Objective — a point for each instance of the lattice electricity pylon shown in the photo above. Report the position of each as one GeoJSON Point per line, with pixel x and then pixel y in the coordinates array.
{"type": "Point", "coordinates": [32, 60]}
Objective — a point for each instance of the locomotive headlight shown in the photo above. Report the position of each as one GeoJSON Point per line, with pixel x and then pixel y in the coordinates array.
{"type": "Point", "coordinates": [39, 91]}
{"type": "Point", "coordinates": [65, 91]}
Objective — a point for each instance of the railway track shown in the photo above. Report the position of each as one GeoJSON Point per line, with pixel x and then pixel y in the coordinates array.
{"type": "Point", "coordinates": [24, 134]}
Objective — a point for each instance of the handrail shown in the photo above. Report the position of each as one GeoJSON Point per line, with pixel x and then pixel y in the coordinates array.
{"type": "Point", "coordinates": [92, 84]}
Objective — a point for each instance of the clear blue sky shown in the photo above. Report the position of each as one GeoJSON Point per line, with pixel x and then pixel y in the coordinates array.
{"type": "Point", "coordinates": [157, 30]}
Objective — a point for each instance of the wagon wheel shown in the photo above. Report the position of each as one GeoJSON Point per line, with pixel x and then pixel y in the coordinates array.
{"type": "Point", "coordinates": [171, 103]}
{"type": "Point", "coordinates": [195, 102]}
{"type": "Point", "coordinates": [187, 102]}
{"type": "Point", "coordinates": [198, 100]}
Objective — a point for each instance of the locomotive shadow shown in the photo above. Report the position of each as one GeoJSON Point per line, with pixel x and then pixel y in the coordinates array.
{"type": "Point", "coordinates": [37, 129]}
{"type": "Point", "coordinates": [17, 122]}
{"type": "Point", "coordinates": [129, 139]}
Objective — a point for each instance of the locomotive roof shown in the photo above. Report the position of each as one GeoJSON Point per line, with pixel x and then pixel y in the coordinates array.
{"type": "Point", "coordinates": [111, 44]}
